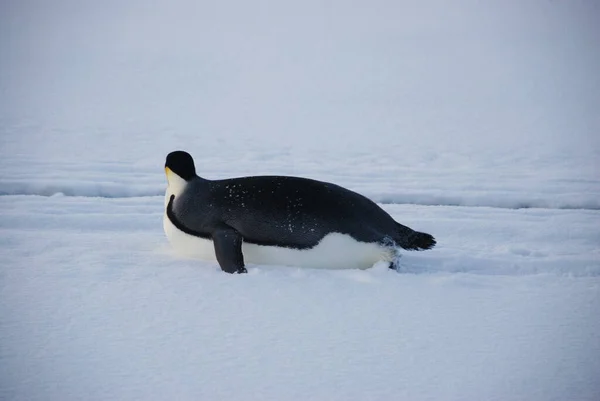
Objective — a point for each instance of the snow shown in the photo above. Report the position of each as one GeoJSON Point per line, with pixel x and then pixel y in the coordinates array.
{"type": "Point", "coordinates": [96, 306]}
{"type": "Point", "coordinates": [475, 122]}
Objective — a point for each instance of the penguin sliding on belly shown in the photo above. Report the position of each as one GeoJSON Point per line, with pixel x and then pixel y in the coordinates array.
{"type": "Point", "coordinates": [278, 220]}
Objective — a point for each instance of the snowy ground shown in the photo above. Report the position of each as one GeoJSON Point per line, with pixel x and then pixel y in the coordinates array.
{"type": "Point", "coordinates": [477, 123]}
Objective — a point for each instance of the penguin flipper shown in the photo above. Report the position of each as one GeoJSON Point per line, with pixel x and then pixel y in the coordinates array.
{"type": "Point", "coordinates": [228, 249]}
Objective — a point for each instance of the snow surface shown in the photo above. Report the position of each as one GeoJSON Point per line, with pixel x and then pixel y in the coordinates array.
{"type": "Point", "coordinates": [477, 122]}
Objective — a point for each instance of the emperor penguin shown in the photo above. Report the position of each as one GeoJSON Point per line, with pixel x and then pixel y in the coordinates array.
{"type": "Point", "coordinates": [278, 220]}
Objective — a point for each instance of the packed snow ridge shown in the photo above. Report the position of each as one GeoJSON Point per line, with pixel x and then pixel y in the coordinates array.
{"type": "Point", "coordinates": [506, 199]}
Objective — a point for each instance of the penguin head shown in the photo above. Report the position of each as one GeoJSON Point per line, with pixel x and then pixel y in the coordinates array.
{"type": "Point", "coordinates": [179, 168]}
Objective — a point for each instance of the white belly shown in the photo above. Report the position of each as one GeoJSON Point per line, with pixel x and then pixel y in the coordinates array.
{"type": "Point", "coordinates": [335, 251]}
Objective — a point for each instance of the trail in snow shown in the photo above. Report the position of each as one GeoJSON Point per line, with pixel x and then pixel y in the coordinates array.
{"type": "Point", "coordinates": [473, 240]}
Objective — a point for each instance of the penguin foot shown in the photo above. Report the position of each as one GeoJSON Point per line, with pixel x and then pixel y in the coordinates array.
{"type": "Point", "coordinates": [395, 263]}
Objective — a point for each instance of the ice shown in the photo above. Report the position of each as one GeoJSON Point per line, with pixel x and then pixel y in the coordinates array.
{"type": "Point", "coordinates": [476, 123]}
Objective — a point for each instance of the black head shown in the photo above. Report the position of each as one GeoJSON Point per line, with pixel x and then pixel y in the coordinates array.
{"type": "Point", "coordinates": [182, 164]}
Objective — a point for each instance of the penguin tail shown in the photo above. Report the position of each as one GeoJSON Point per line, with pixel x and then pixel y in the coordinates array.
{"type": "Point", "coordinates": [413, 240]}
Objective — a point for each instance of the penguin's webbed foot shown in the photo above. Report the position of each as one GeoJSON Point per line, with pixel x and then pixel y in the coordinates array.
{"type": "Point", "coordinates": [395, 262]}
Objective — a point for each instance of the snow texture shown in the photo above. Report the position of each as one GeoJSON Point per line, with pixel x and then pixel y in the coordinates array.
{"type": "Point", "coordinates": [474, 121]}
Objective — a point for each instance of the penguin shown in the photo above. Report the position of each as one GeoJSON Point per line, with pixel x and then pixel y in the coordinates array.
{"type": "Point", "coordinates": [278, 220]}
